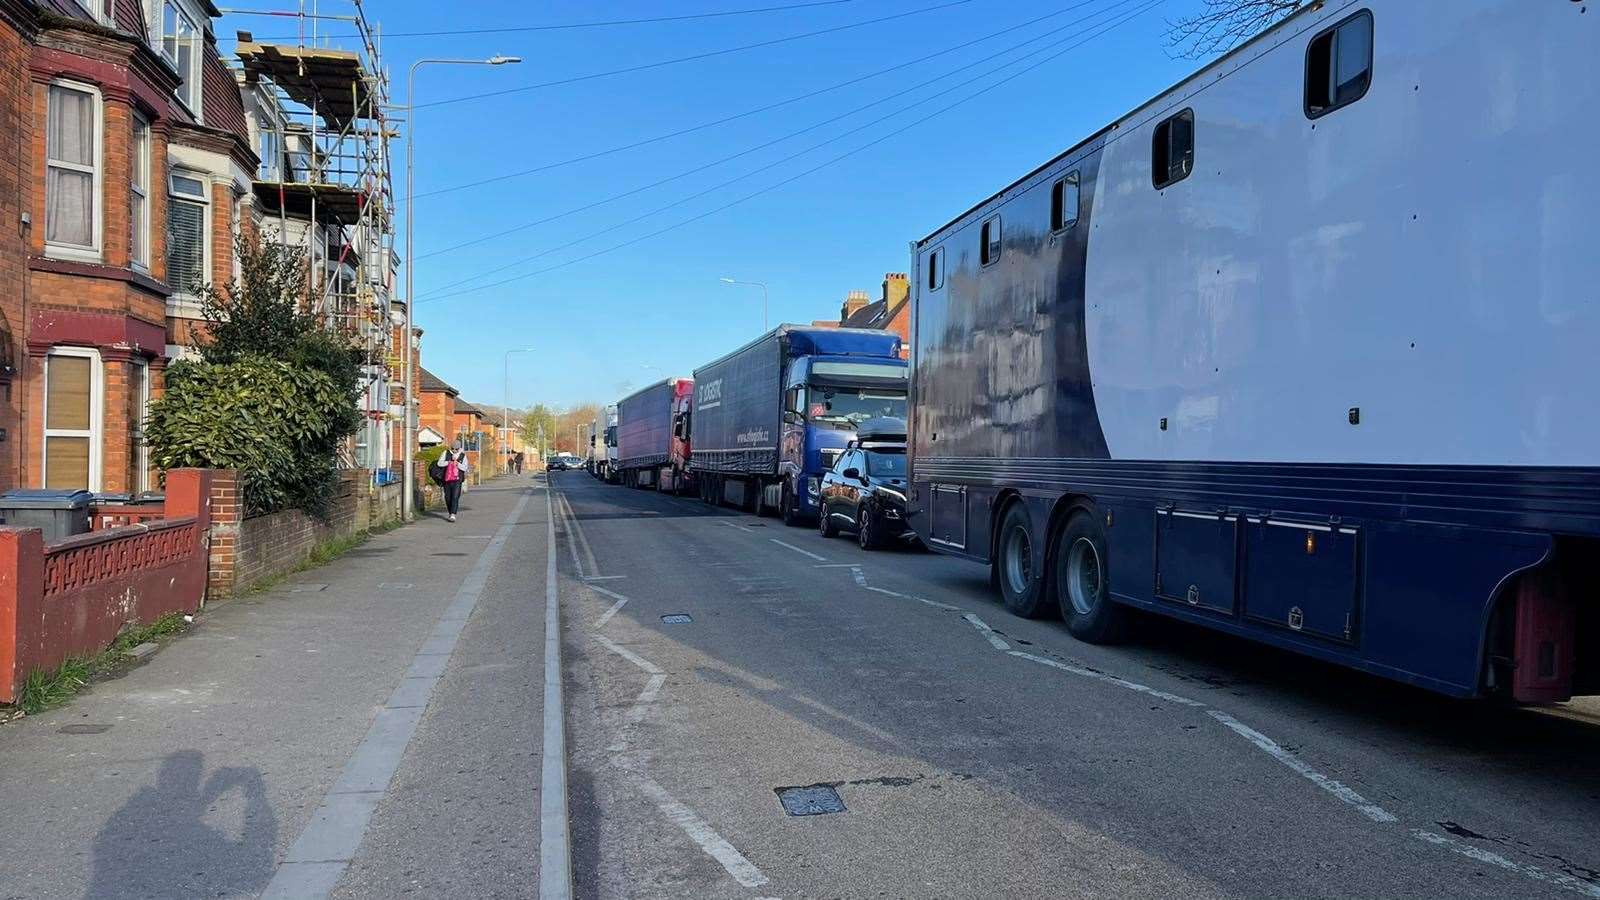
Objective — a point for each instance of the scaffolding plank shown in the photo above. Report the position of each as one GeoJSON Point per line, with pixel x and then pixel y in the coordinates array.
{"type": "Point", "coordinates": [333, 82]}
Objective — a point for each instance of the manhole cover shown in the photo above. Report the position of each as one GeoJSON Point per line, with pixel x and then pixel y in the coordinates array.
{"type": "Point", "coordinates": [816, 800]}
{"type": "Point", "coordinates": [677, 619]}
{"type": "Point", "coordinates": [84, 728]}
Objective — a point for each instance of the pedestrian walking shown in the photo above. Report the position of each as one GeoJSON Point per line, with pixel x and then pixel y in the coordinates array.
{"type": "Point", "coordinates": [519, 462]}
{"type": "Point", "coordinates": [452, 474]}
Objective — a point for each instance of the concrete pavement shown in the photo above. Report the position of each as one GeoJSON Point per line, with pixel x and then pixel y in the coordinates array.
{"type": "Point", "coordinates": [201, 771]}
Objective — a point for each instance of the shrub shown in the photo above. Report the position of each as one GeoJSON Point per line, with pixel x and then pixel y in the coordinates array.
{"type": "Point", "coordinates": [274, 422]}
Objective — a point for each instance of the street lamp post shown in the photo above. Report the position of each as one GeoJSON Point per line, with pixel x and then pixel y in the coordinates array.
{"type": "Point", "coordinates": [759, 284]}
{"type": "Point", "coordinates": [408, 480]}
{"type": "Point", "coordinates": [505, 411]}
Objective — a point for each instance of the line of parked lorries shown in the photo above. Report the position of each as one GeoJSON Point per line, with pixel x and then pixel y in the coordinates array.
{"type": "Point", "coordinates": [1257, 356]}
{"type": "Point", "coordinates": [804, 423]}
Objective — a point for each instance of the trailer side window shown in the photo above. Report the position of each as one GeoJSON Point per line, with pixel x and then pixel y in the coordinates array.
{"type": "Point", "coordinates": [1339, 65]}
{"type": "Point", "coordinates": [1172, 150]}
{"type": "Point", "coordinates": [1064, 203]}
{"type": "Point", "coordinates": [936, 269]}
{"type": "Point", "coordinates": [989, 248]}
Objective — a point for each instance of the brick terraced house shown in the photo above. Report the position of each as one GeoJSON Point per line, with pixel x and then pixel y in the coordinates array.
{"type": "Point", "coordinates": [125, 169]}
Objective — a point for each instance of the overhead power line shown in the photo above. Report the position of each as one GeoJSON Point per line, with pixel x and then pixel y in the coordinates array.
{"type": "Point", "coordinates": [610, 151]}
{"type": "Point", "coordinates": [695, 56]}
{"type": "Point", "coordinates": [1151, 4]}
{"type": "Point", "coordinates": [772, 165]}
{"type": "Point", "coordinates": [609, 23]}
{"type": "Point", "coordinates": [794, 134]}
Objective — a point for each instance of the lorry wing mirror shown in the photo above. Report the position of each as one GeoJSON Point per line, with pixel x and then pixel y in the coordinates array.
{"type": "Point", "coordinates": [852, 472]}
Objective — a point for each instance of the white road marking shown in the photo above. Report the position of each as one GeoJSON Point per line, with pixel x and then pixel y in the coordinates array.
{"type": "Point", "coordinates": [583, 541]}
{"type": "Point", "coordinates": [987, 632]}
{"type": "Point", "coordinates": [603, 577]}
{"type": "Point", "coordinates": [934, 603]}
{"type": "Point", "coordinates": [1586, 888]}
{"type": "Point", "coordinates": [706, 837]}
{"type": "Point", "coordinates": [570, 526]}
{"type": "Point", "coordinates": [799, 551]}
{"type": "Point", "coordinates": [555, 828]}
{"type": "Point", "coordinates": [1109, 679]}
{"type": "Point", "coordinates": [1371, 810]}
{"type": "Point", "coordinates": [627, 654]}
{"type": "Point", "coordinates": [600, 590]}
{"type": "Point", "coordinates": [856, 573]}
{"type": "Point", "coordinates": [836, 566]}
{"type": "Point", "coordinates": [646, 697]}
{"type": "Point", "coordinates": [606, 616]}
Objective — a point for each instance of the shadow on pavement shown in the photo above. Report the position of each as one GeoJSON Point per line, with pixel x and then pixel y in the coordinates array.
{"type": "Point", "coordinates": [186, 837]}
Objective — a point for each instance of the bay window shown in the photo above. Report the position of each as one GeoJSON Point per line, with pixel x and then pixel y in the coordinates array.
{"type": "Point", "coordinates": [72, 171]}
{"type": "Point", "coordinates": [72, 419]}
{"type": "Point", "coordinates": [187, 215]}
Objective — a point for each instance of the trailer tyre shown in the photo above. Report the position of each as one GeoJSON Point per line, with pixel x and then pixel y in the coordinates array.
{"type": "Point", "coordinates": [1082, 581]}
{"type": "Point", "coordinates": [1021, 584]}
{"type": "Point", "coordinates": [790, 508]}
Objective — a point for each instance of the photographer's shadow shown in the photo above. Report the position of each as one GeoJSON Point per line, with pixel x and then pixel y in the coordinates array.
{"type": "Point", "coordinates": [160, 844]}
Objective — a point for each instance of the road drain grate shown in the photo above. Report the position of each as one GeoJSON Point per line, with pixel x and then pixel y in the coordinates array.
{"type": "Point", "coordinates": [815, 800]}
{"type": "Point", "coordinates": [677, 619]}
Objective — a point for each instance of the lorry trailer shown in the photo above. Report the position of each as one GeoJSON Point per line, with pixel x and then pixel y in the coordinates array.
{"type": "Point", "coordinates": [772, 416]}
{"type": "Point", "coordinates": [1265, 356]}
{"type": "Point", "coordinates": [645, 421]}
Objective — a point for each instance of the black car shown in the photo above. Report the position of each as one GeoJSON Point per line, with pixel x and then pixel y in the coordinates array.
{"type": "Point", "coordinates": [555, 464]}
{"type": "Point", "coordinates": [865, 491]}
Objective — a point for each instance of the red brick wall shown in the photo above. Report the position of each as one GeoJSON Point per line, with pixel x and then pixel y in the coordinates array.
{"type": "Point", "coordinates": [16, 197]}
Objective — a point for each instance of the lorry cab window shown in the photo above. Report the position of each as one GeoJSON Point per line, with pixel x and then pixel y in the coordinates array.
{"type": "Point", "coordinates": [842, 407]}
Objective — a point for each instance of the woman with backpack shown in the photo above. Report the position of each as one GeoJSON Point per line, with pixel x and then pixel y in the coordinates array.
{"type": "Point", "coordinates": [450, 470]}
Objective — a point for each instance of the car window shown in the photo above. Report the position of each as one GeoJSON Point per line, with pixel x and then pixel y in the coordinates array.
{"type": "Point", "coordinates": [886, 464]}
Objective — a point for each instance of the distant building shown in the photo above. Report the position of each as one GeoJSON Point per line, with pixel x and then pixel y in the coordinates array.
{"type": "Point", "coordinates": [890, 312]}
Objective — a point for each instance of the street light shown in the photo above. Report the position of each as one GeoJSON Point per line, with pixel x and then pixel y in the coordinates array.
{"type": "Point", "coordinates": [505, 411]}
{"type": "Point", "coordinates": [759, 284]}
{"type": "Point", "coordinates": [408, 480]}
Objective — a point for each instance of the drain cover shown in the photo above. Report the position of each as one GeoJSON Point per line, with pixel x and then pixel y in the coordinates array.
{"type": "Point", "coordinates": [84, 728]}
{"type": "Point", "coordinates": [816, 800]}
{"type": "Point", "coordinates": [677, 619]}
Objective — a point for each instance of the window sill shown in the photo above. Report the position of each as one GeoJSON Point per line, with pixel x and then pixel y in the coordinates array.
{"type": "Point", "coordinates": [71, 253]}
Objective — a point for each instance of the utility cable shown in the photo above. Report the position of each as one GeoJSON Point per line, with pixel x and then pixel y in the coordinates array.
{"type": "Point", "coordinates": [746, 152]}
{"type": "Point", "coordinates": [642, 67]}
{"type": "Point", "coordinates": [1151, 4]}
{"type": "Point", "coordinates": [546, 167]}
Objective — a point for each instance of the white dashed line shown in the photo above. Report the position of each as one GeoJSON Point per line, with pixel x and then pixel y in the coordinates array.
{"type": "Point", "coordinates": [987, 632]}
{"type": "Point", "coordinates": [1109, 679]}
{"type": "Point", "coordinates": [1371, 810]}
{"type": "Point", "coordinates": [1586, 888]}
{"type": "Point", "coordinates": [934, 603]}
{"type": "Point", "coordinates": [798, 550]}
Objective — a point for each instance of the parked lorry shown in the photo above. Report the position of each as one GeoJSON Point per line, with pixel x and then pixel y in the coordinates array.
{"type": "Point", "coordinates": [772, 416]}
{"type": "Point", "coordinates": [603, 457]}
{"type": "Point", "coordinates": [645, 439]}
{"type": "Point", "coordinates": [1231, 361]}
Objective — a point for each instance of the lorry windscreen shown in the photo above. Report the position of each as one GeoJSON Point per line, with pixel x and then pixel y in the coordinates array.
{"type": "Point", "coordinates": [847, 407]}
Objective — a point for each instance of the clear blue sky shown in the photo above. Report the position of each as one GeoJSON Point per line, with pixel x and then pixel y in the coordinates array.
{"type": "Point", "coordinates": [598, 323]}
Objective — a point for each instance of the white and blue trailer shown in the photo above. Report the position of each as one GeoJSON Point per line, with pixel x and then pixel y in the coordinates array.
{"type": "Point", "coordinates": [1303, 349]}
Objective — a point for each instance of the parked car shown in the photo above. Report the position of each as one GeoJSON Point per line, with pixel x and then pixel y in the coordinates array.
{"type": "Point", "coordinates": [555, 463]}
{"type": "Point", "coordinates": [865, 491]}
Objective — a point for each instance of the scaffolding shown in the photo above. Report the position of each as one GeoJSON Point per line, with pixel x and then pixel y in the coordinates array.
{"type": "Point", "coordinates": [326, 180]}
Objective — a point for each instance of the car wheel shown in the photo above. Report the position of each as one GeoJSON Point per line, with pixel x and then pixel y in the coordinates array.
{"type": "Point", "coordinates": [1021, 586]}
{"type": "Point", "coordinates": [825, 523]}
{"type": "Point", "coordinates": [866, 536]}
{"type": "Point", "coordinates": [1083, 583]}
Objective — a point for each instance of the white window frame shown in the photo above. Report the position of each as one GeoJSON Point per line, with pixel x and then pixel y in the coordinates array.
{"type": "Point", "coordinates": [96, 414]}
{"type": "Point", "coordinates": [269, 122]}
{"type": "Point", "coordinates": [102, 10]}
{"type": "Point", "coordinates": [183, 291]}
{"type": "Point", "coordinates": [141, 449]}
{"type": "Point", "coordinates": [91, 253]}
{"type": "Point", "coordinates": [140, 167]}
{"type": "Point", "coordinates": [192, 79]}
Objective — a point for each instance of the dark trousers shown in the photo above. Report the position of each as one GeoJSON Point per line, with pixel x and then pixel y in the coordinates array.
{"type": "Point", "coordinates": [452, 496]}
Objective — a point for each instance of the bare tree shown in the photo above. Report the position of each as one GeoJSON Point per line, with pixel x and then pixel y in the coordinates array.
{"type": "Point", "coordinates": [1222, 25]}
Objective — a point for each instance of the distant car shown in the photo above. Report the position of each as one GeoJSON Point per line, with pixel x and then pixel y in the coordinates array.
{"type": "Point", "coordinates": [865, 491]}
{"type": "Point", "coordinates": [555, 464]}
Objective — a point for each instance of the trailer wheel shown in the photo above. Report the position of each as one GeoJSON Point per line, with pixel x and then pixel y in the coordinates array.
{"type": "Point", "coordinates": [790, 508]}
{"type": "Point", "coordinates": [1082, 581]}
{"type": "Point", "coordinates": [1021, 584]}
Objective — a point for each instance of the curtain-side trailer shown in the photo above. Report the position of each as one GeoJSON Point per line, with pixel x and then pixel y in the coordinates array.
{"type": "Point", "coordinates": [645, 432]}
{"type": "Point", "coordinates": [1301, 350]}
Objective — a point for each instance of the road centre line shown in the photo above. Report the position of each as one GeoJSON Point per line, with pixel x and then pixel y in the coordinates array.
{"type": "Point", "coordinates": [798, 550]}
{"type": "Point", "coordinates": [987, 632]}
{"type": "Point", "coordinates": [323, 850]}
{"type": "Point", "coordinates": [1587, 888]}
{"type": "Point", "coordinates": [1267, 745]}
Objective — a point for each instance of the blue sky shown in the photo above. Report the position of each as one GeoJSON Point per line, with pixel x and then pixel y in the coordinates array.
{"type": "Point", "coordinates": [598, 323]}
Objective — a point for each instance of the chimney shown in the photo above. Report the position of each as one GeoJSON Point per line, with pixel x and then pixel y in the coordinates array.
{"type": "Point", "coordinates": [895, 288]}
{"type": "Point", "coordinates": [853, 302]}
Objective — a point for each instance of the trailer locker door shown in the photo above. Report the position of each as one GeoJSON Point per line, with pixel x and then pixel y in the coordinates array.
{"type": "Point", "coordinates": [1302, 576]}
{"type": "Point", "coordinates": [1197, 558]}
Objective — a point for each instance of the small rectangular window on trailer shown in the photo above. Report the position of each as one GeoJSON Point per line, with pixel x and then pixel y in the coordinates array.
{"type": "Point", "coordinates": [1172, 150]}
{"type": "Point", "coordinates": [936, 269]}
{"type": "Point", "coordinates": [1339, 65]}
{"type": "Point", "coordinates": [989, 241]}
{"type": "Point", "coordinates": [1064, 203]}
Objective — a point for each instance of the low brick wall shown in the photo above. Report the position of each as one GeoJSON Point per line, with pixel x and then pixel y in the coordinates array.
{"type": "Point", "coordinates": [247, 551]}
{"type": "Point", "coordinates": [73, 597]}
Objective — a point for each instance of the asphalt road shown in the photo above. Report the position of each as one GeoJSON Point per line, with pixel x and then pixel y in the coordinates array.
{"type": "Point", "coordinates": [979, 755]}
